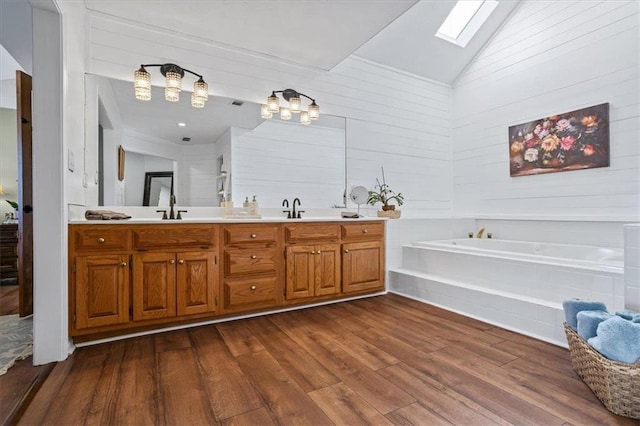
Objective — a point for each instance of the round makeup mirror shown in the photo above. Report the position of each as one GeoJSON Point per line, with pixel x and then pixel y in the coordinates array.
{"type": "Point", "coordinates": [359, 195]}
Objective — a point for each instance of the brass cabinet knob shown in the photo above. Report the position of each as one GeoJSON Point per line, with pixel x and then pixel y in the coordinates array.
{"type": "Point", "coordinates": [101, 240]}
{"type": "Point", "coordinates": [253, 256]}
{"type": "Point", "coordinates": [313, 252]}
{"type": "Point", "coordinates": [346, 250]}
{"type": "Point", "coordinates": [365, 231]}
{"type": "Point", "coordinates": [253, 235]}
{"type": "Point", "coordinates": [181, 261]}
{"type": "Point", "coordinates": [123, 264]}
{"type": "Point", "coordinates": [172, 261]}
{"type": "Point", "coordinates": [253, 287]}
{"type": "Point", "coordinates": [318, 252]}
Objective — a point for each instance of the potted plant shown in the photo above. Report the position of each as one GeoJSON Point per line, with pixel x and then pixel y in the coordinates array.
{"type": "Point", "coordinates": [385, 195]}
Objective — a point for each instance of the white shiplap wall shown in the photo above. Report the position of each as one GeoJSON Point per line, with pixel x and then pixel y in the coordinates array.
{"type": "Point", "coordinates": [393, 119]}
{"type": "Point", "coordinates": [197, 170]}
{"type": "Point", "coordinates": [283, 160]}
{"type": "Point", "coordinates": [550, 57]}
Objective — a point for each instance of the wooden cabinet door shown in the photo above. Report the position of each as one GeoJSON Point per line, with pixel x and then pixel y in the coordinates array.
{"type": "Point", "coordinates": [300, 272]}
{"type": "Point", "coordinates": [196, 283]}
{"type": "Point", "coordinates": [154, 285]}
{"type": "Point", "coordinates": [327, 269]}
{"type": "Point", "coordinates": [102, 290]}
{"type": "Point", "coordinates": [362, 266]}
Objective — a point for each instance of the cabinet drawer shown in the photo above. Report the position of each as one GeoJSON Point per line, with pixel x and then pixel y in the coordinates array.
{"type": "Point", "coordinates": [174, 235]}
{"type": "Point", "coordinates": [249, 261]}
{"type": "Point", "coordinates": [101, 238]}
{"type": "Point", "coordinates": [366, 230]}
{"type": "Point", "coordinates": [249, 293]}
{"type": "Point", "coordinates": [312, 232]}
{"type": "Point", "coordinates": [242, 234]}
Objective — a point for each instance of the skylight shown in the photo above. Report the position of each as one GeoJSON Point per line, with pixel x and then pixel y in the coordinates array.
{"type": "Point", "coordinates": [464, 20]}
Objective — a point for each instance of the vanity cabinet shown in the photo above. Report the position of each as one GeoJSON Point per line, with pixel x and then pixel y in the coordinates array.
{"type": "Point", "coordinates": [362, 257]}
{"type": "Point", "coordinates": [132, 277]}
{"type": "Point", "coordinates": [252, 267]}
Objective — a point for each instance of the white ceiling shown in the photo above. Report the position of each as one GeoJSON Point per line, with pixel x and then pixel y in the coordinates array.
{"type": "Point", "coordinates": [395, 33]}
{"type": "Point", "coordinates": [409, 43]}
{"type": "Point", "coordinates": [315, 33]}
{"type": "Point", "coordinates": [160, 118]}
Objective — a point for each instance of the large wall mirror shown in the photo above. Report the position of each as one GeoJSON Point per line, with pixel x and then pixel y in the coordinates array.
{"type": "Point", "coordinates": [222, 149]}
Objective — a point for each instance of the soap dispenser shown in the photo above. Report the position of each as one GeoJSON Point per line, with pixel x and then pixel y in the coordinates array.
{"type": "Point", "coordinates": [253, 208]}
{"type": "Point", "coordinates": [246, 203]}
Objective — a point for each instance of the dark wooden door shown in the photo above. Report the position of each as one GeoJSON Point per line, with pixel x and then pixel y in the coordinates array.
{"type": "Point", "coordinates": [25, 197]}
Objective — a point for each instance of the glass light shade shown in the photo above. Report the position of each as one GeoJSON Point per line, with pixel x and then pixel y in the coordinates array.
{"type": "Point", "coordinates": [142, 84]}
{"type": "Point", "coordinates": [294, 104]}
{"type": "Point", "coordinates": [197, 101]}
{"type": "Point", "coordinates": [273, 102]}
{"type": "Point", "coordinates": [304, 118]}
{"type": "Point", "coordinates": [285, 113]}
{"type": "Point", "coordinates": [171, 94]}
{"type": "Point", "coordinates": [314, 111]}
{"type": "Point", "coordinates": [264, 111]}
{"type": "Point", "coordinates": [201, 89]}
{"type": "Point", "coordinates": [174, 81]}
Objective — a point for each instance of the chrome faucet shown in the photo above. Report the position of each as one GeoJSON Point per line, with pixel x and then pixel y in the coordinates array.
{"type": "Point", "coordinates": [294, 216]}
{"type": "Point", "coordinates": [172, 202]}
{"type": "Point", "coordinates": [480, 232]}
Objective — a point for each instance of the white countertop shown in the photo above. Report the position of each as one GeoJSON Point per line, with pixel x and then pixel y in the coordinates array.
{"type": "Point", "coordinates": [153, 221]}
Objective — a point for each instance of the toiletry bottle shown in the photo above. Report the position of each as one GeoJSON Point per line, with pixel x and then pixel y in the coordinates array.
{"type": "Point", "coordinates": [228, 208]}
{"type": "Point", "coordinates": [254, 207]}
{"type": "Point", "coordinates": [246, 203]}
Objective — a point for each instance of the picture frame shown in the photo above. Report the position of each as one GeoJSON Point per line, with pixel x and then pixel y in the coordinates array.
{"type": "Point", "coordinates": [572, 140]}
{"type": "Point", "coordinates": [120, 163]}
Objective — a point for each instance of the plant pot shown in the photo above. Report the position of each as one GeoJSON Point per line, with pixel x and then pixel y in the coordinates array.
{"type": "Point", "coordinates": [391, 214]}
{"type": "Point", "coordinates": [388, 207]}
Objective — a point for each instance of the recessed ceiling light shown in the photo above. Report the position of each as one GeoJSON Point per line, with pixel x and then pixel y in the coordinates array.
{"type": "Point", "coordinates": [464, 20]}
{"type": "Point", "coordinates": [181, 124]}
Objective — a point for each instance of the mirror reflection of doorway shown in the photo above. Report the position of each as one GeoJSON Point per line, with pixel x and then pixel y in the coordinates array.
{"type": "Point", "coordinates": [158, 188]}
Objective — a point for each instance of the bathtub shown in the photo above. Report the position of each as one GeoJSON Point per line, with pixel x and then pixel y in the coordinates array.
{"type": "Point", "coordinates": [517, 285]}
{"type": "Point", "coordinates": [588, 257]}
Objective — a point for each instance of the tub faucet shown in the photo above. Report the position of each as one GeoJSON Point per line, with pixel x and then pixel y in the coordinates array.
{"type": "Point", "coordinates": [480, 232]}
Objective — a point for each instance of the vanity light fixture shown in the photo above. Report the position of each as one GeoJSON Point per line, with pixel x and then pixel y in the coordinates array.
{"type": "Point", "coordinates": [173, 74]}
{"type": "Point", "coordinates": [272, 106]}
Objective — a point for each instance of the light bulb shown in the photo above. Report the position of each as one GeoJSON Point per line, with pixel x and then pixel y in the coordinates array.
{"type": "Point", "coordinates": [171, 94]}
{"type": "Point", "coordinates": [285, 113]}
{"type": "Point", "coordinates": [304, 118]}
{"type": "Point", "coordinates": [197, 101]}
{"type": "Point", "coordinates": [142, 84]}
{"type": "Point", "coordinates": [273, 102]}
{"type": "Point", "coordinates": [264, 111]}
{"type": "Point", "coordinates": [314, 111]}
{"type": "Point", "coordinates": [294, 104]}
{"type": "Point", "coordinates": [174, 80]}
{"type": "Point", "coordinates": [201, 89]}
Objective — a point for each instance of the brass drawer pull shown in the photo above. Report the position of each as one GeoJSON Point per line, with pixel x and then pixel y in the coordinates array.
{"type": "Point", "coordinates": [253, 287]}
{"type": "Point", "coordinates": [253, 235]}
{"type": "Point", "coordinates": [346, 250]}
{"type": "Point", "coordinates": [100, 240]}
{"type": "Point", "coordinates": [253, 256]}
{"type": "Point", "coordinates": [365, 231]}
{"type": "Point", "coordinates": [313, 252]}
{"type": "Point", "coordinates": [172, 261]}
{"type": "Point", "coordinates": [181, 261]}
{"type": "Point", "coordinates": [123, 264]}
{"type": "Point", "coordinates": [318, 251]}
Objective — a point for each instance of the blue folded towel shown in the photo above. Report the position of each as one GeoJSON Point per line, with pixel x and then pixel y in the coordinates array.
{"type": "Point", "coordinates": [636, 318]}
{"type": "Point", "coordinates": [588, 322]}
{"type": "Point", "coordinates": [618, 340]}
{"type": "Point", "coordinates": [573, 306]}
{"type": "Point", "coordinates": [628, 315]}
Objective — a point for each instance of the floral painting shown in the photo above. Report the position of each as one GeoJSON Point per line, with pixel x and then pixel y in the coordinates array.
{"type": "Point", "coordinates": [570, 141]}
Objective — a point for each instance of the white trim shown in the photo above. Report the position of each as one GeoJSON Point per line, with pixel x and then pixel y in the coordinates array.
{"type": "Point", "coordinates": [398, 71]}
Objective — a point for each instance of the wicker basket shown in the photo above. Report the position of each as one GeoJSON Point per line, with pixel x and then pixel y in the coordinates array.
{"type": "Point", "coordinates": [616, 384]}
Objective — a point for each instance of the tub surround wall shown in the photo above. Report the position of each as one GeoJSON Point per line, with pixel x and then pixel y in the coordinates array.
{"type": "Point", "coordinates": [536, 65]}
{"type": "Point", "coordinates": [632, 266]}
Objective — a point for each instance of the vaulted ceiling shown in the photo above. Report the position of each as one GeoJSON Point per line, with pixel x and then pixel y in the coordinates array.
{"type": "Point", "coordinates": [320, 34]}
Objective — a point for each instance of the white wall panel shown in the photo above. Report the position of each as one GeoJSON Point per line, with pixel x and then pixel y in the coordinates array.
{"type": "Point", "coordinates": [397, 120]}
{"type": "Point", "coordinates": [550, 57]}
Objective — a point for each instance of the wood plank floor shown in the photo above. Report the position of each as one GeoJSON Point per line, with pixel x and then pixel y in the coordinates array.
{"type": "Point", "coordinates": [382, 360]}
{"type": "Point", "coordinates": [8, 299]}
